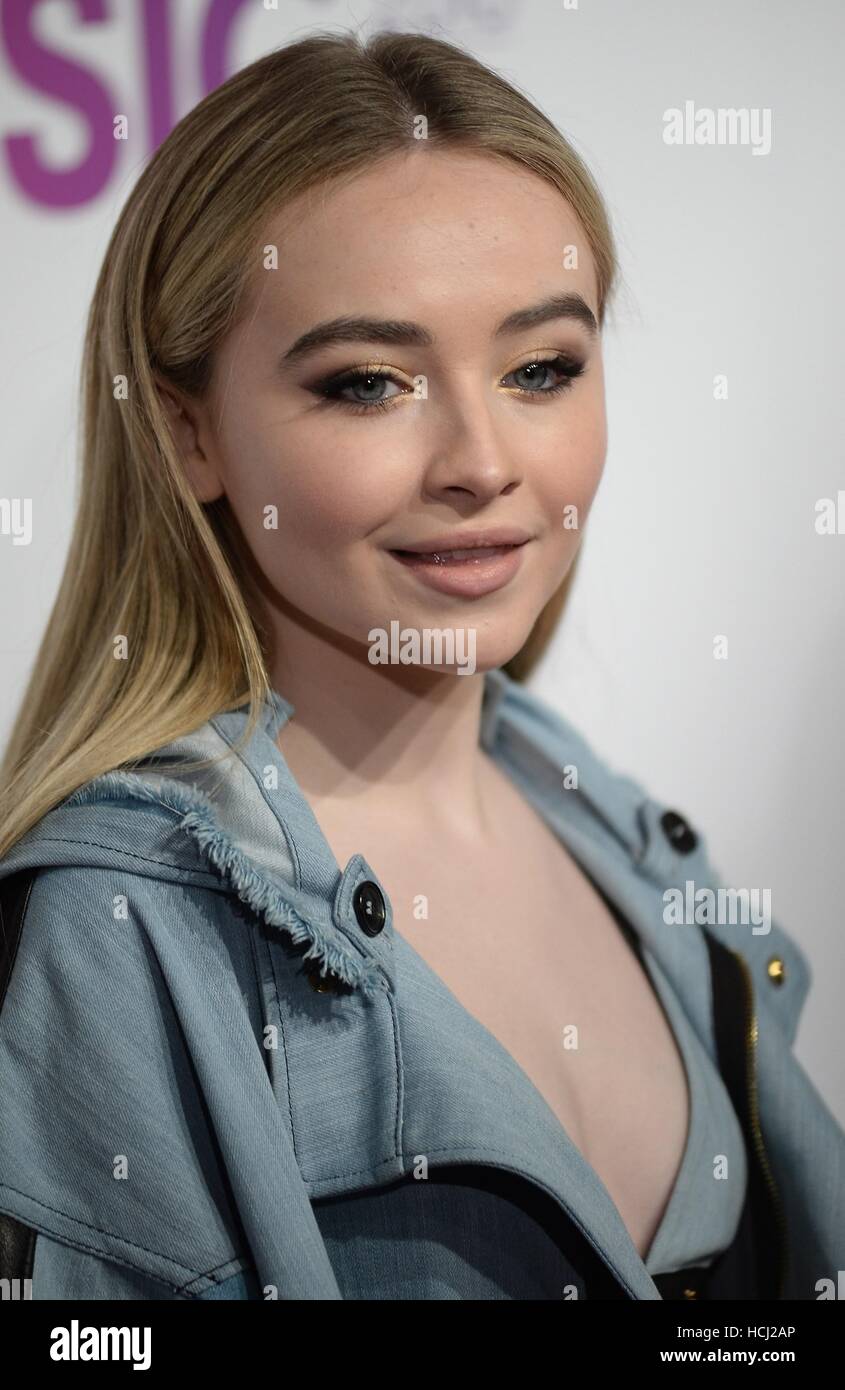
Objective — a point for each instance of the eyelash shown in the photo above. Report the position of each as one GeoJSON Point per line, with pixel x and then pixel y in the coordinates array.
{"type": "Point", "coordinates": [570, 367]}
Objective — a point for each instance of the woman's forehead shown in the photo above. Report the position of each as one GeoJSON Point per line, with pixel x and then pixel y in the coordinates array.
{"type": "Point", "coordinates": [444, 189]}
{"type": "Point", "coordinates": [430, 236]}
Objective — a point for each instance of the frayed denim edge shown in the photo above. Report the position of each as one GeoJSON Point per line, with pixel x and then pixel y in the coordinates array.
{"type": "Point", "coordinates": [197, 820]}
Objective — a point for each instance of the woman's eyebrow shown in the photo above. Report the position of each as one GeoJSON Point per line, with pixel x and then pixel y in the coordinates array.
{"type": "Point", "coordinates": [401, 333]}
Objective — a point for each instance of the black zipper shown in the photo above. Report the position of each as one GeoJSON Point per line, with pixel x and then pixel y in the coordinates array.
{"type": "Point", "coordinates": [754, 1121]}
{"type": "Point", "coordinates": [735, 1030]}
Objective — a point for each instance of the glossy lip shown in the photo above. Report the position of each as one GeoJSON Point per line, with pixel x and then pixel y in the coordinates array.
{"type": "Point", "coordinates": [471, 578]}
{"type": "Point", "coordinates": [467, 540]}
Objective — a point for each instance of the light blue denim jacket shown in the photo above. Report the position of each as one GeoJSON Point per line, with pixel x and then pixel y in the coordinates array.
{"type": "Point", "coordinates": [177, 1093]}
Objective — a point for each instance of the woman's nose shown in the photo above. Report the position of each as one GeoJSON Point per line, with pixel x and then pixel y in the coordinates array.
{"type": "Point", "coordinates": [472, 456]}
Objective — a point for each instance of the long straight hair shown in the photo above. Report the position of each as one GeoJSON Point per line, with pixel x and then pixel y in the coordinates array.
{"type": "Point", "coordinates": [157, 625]}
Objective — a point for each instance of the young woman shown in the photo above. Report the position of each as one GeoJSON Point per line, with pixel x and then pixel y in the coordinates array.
{"type": "Point", "coordinates": [337, 965]}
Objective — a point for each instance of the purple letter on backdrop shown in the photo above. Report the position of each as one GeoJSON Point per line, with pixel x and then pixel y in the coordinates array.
{"type": "Point", "coordinates": [67, 82]}
{"type": "Point", "coordinates": [159, 71]}
{"type": "Point", "coordinates": [215, 56]}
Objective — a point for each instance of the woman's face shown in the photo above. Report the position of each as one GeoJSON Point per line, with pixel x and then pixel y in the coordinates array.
{"type": "Point", "coordinates": [436, 426]}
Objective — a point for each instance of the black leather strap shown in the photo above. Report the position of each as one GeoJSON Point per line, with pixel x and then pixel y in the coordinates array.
{"type": "Point", "coordinates": [760, 1230]}
{"type": "Point", "coordinates": [17, 1254]}
{"type": "Point", "coordinates": [14, 899]}
{"type": "Point", "coordinates": [17, 1241]}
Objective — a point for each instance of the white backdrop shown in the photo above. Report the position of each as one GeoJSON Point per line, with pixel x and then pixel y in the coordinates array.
{"type": "Point", "coordinates": [705, 521]}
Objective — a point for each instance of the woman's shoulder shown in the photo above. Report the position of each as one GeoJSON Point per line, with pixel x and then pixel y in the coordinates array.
{"type": "Point", "coordinates": [107, 1043]}
{"type": "Point", "coordinates": [176, 815]}
{"type": "Point", "coordinates": [128, 999]}
{"type": "Point", "coordinates": [167, 843]}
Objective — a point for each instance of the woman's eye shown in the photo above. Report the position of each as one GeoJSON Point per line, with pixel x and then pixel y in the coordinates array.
{"type": "Point", "coordinates": [546, 377]}
{"type": "Point", "coordinates": [364, 391]}
{"type": "Point", "coordinates": [368, 390]}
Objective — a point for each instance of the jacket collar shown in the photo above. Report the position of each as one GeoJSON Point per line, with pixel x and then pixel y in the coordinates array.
{"type": "Point", "coordinates": [607, 822]}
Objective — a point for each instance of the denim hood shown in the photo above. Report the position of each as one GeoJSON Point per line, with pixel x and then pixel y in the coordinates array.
{"type": "Point", "coordinates": [239, 843]}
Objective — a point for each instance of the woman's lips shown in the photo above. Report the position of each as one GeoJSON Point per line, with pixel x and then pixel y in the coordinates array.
{"type": "Point", "coordinates": [470, 573]}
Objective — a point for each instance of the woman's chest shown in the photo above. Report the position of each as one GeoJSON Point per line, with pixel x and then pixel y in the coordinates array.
{"type": "Point", "coordinates": [525, 943]}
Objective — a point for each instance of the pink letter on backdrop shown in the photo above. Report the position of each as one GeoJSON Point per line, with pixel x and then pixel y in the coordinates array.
{"type": "Point", "coordinates": [65, 81]}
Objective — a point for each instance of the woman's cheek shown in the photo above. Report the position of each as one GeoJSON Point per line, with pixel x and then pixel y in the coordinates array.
{"type": "Point", "coordinates": [581, 469]}
{"type": "Point", "coordinates": [310, 506]}
{"type": "Point", "coordinates": [347, 494]}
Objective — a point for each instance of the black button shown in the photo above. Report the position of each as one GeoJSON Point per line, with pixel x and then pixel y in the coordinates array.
{"type": "Point", "coordinates": [679, 834]}
{"type": "Point", "coordinates": [369, 907]}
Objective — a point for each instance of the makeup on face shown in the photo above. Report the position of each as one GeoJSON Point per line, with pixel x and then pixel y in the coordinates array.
{"type": "Point", "coordinates": [407, 385]}
{"type": "Point", "coordinates": [468, 563]}
{"type": "Point", "coordinates": [546, 372]}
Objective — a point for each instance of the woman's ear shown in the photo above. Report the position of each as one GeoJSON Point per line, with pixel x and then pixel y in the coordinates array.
{"type": "Point", "coordinates": [183, 418]}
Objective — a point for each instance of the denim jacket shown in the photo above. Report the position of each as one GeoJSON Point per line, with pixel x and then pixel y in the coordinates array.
{"type": "Point", "coordinates": [216, 1051]}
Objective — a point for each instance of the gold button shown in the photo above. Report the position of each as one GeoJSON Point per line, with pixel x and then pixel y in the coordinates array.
{"type": "Point", "coordinates": [690, 1293]}
{"type": "Point", "coordinates": [776, 970]}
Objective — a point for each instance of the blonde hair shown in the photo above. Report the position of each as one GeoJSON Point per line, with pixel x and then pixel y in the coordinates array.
{"type": "Point", "coordinates": [147, 561]}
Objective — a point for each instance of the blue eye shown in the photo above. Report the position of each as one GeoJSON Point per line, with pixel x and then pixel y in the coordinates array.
{"type": "Point", "coordinates": [568, 369]}
{"type": "Point", "coordinates": [370, 384]}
